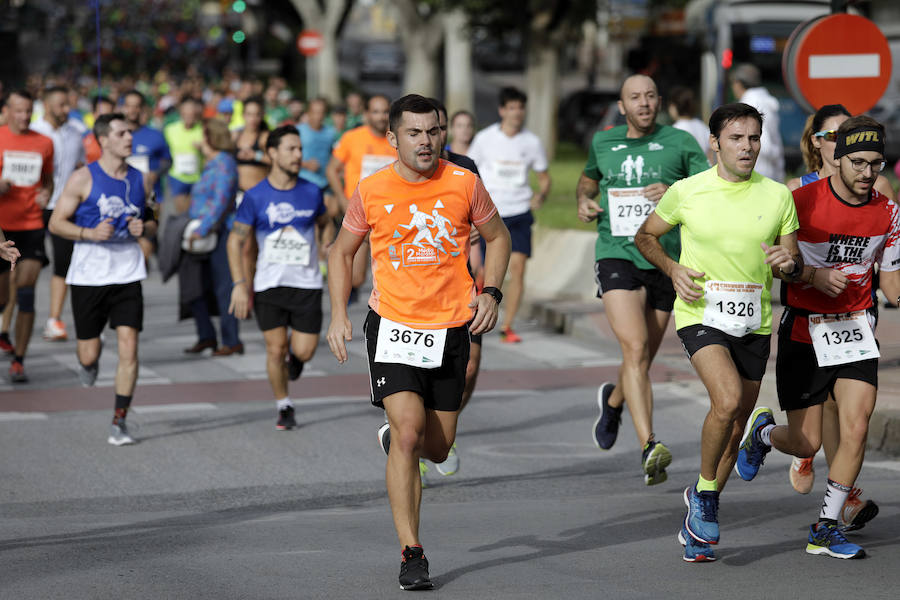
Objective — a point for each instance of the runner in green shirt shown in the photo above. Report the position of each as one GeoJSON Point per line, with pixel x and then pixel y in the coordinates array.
{"type": "Point", "coordinates": [628, 170]}
{"type": "Point", "coordinates": [737, 228]}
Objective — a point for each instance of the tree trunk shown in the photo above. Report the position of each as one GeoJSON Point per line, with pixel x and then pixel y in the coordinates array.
{"type": "Point", "coordinates": [542, 80]}
{"type": "Point", "coordinates": [422, 39]}
{"type": "Point", "coordinates": [459, 89]}
{"type": "Point", "coordinates": [327, 74]}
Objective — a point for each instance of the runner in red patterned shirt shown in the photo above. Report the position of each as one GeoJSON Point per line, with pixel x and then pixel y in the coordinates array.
{"type": "Point", "coordinates": [826, 342]}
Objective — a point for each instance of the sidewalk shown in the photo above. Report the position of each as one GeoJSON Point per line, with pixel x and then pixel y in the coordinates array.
{"type": "Point", "coordinates": [561, 295]}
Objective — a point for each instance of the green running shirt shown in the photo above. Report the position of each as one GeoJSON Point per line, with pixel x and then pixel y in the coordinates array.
{"type": "Point", "coordinates": [722, 227]}
{"type": "Point", "coordinates": [621, 164]}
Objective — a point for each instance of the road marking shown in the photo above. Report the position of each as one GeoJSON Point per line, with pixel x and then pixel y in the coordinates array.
{"type": "Point", "coordinates": [147, 409]}
{"type": "Point", "coordinates": [839, 66]}
{"type": "Point", "coordinates": [22, 416]}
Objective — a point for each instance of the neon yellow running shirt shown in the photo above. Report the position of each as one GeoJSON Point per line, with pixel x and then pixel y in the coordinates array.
{"type": "Point", "coordinates": [184, 145]}
{"type": "Point", "coordinates": [722, 227]}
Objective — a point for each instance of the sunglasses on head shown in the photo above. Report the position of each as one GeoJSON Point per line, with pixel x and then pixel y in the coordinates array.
{"type": "Point", "coordinates": [829, 134]}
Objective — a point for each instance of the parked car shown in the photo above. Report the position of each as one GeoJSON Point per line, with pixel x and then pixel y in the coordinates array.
{"type": "Point", "coordinates": [581, 112]}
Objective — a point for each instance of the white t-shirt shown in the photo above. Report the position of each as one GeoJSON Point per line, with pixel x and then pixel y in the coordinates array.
{"type": "Point", "coordinates": [698, 129]}
{"type": "Point", "coordinates": [771, 152]}
{"type": "Point", "coordinates": [504, 162]}
{"type": "Point", "coordinates": [68, 152]}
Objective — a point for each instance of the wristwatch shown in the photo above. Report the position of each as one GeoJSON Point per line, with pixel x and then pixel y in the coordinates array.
{"type": "Point", "coordinates": [493, 293]}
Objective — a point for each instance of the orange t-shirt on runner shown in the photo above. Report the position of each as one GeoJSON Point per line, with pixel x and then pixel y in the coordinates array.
{"type": "Point", "coordinates": [92, 150]}
{"type": "Point", "coordinates": [24, 160]}
{"type": "Point", "coordinates": [419, 234]}
{"type": "Point", "coordinates": [362, 153]}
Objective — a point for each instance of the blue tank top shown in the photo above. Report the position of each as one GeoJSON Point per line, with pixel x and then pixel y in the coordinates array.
{"type": "Point", "coordinates": [112, 198]}
{"type": "Point", "coordinates": [809, 178]}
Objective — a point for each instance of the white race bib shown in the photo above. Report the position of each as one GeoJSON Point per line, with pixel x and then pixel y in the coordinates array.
{"type": "Point", "coordinates": [139, 162]}
{"type": "Point", "coordinates": [509, 174]}
{"type": "Point", "coordinates": [840, 339]}
{"type": "Point", "coordinates": [287, 247]}
{"type": "Point", "coordinates": [628, 209]}
{"type": "Point", "coordinates": [186, 164]}
{"type": "Point", "coordinates": [734, 307]}
{"type": "Point", "coordinates": [398, 343]}
{"type": "Point", "coordinates": [374, 162]}
{"type": "Point", "coordinates": [22, 168]}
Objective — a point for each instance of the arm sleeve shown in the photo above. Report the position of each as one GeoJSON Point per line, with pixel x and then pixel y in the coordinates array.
{"type": "Point", "coordinates": [482, 207]}
{"type": "Point", "coordinates": [669, 207]}
{"type": "Point", "coordinates": [789, 222]}
{"type": "Point", "coordinates": [539, 162]}
{"type": "Point", "coordinates": [591, 169]}
{"type": "Point", "coordinates": [355, 217]}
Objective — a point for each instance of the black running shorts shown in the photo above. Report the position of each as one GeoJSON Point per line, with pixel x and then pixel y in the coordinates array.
{"type": "Point", "coordinates": [440, 388]}
{"type": "Point", "coordinates": [30, 244]}
{"type": "Point", "coordinates": [749, 353]}
{"type": "Point", "coordinates": [799, 379]}
{"type": "Point", "coordinates": [62, 249]}
{"type": "Point", "coordinates": [299, 309]}
{"type": "Point", "coordinates": [118, 304]}
{"type": "Point", "coordinates": [618, 274]}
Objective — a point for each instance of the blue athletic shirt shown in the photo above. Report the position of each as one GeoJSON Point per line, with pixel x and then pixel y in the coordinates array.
{"type": "Point", "coordinates": [119, 259]}
{"type": "Point", "coordinates": [809, 178]}
{"type": "Point", "coordinates": [152, 144]}
{"type": "Point", "coordinates": [285, 225]}
{"type": "Point", "coordinates": [317, 144]}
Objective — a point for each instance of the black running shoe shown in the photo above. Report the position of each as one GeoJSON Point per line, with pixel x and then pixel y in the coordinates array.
{"type": "Point", "coordinates": [414, 570]}
{"type": "Point", "coordinates": [295, 366]}
{"type": "Point", "coordinates": [286, 419]}
{"type": "Point", "coordinates": [606, 427]}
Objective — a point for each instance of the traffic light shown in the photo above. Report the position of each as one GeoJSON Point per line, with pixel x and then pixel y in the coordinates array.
{"type": "Point", "coordinates": [239, 6]}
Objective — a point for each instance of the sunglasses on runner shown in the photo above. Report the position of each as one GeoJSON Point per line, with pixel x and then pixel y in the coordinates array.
{"type": "Point", "coordinates": [860, 165]}
{"type": "Point", "coordinates": [830, 135]}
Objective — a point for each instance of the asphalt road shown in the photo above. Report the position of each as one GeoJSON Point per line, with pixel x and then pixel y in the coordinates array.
{"type": "Point", "coordinates": [214, 503]}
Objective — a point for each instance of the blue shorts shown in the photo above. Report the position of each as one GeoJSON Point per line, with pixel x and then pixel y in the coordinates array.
{"type": "Point", "coordinates": [177, 187]}
{"type": "Point", "coordinates": [520, 232]}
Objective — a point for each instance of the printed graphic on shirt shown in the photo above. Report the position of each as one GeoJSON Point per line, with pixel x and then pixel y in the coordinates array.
{"type": "Point", "coordinates": [635, 171]}
{"type": "Point", "coordinates": [426, 246]}
{"type": "Point", "coordinates": [283, 213]}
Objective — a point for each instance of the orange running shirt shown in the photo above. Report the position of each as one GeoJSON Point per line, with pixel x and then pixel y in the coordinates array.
{"type": "Point", "coordinates": [362, 153]}
{"type": "Point", "coordinates": [24, 159]}
{"type": "Point", "coordinates": [92, 149]}
{"type": "Point", "coordinates": [419, 234]}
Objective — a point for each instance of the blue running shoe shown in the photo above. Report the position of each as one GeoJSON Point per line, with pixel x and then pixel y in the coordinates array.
{"type": "Point", "coordinates": [753, 452]}
{"type": "Point", "coordinates": [827, 538]}
{"type": "Point", "coordinates": [695, 551]}
{"type": "Point", "coordinates": [702, 518]}
{"type": "Point", "coordinates": [606, 427]}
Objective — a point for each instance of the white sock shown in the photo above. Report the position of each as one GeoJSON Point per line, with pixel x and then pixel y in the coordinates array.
{"type": "Point", "coordinates": [765, 434]}
{"type": "Point", "coordinates": [835, 496]}
{"type": "Point", "coordinates": [284, 403]}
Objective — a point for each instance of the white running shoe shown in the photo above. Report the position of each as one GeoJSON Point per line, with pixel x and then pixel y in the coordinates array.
{"type": "Point", "coordinates": [55, 331]}
{"type": "Point", "coordinates": [451, 465]}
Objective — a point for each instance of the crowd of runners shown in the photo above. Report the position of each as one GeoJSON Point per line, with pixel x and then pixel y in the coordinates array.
{"type": "Point", "coordinates": [258, 199]}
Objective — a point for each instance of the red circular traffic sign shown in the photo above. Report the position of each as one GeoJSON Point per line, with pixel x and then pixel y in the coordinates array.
{"type": "Point", "coordinates": [837, 59]}
{"type": "Point", "coordinates": [309, 42]}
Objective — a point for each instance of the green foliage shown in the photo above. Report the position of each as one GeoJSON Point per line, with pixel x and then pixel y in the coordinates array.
{"type": "Point", "coordinates": [559, 210]}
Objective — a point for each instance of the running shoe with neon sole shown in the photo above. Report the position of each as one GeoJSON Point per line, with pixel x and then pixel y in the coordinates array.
{"type": "Point", "coordinates": [702, 518]}
{"type": "Point", "coordinates": [856, 513]}
{"type": "Point", "coordinates": [753, 452]}
{"type": "Point", "coordinates": [384, 438]}
{"type": "Point", "coordinates": [414, 570]}
{"type": "Point", "coordinates": [802, 474]}
{"type": "Point", "coordinates": [118, 434]}
{"type": "Point", "coordinates": [423, 473]}
{"type": "Point", "coordinates": [17, 372]}
{"type": "Point", "coordinates": [451, 465]}
{"type": "Point", "coordinates": [828, 539]}
{"type": "Point", "coordinates": [508, 336]}
{"type": "Point", "coordinates": [654, 460]}
{"type": "Point", "coordinates": [55, 331]}
{"type": "Point", "coordinates": [606, 427]}
{"type": "Point", "coordinates": [286, 419]}
{"type": "Point", "coordinates": [695, 551]}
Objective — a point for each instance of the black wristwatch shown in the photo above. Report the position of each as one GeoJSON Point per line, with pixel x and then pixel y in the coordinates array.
{"type": "Point", "coordinates": [493, 293]}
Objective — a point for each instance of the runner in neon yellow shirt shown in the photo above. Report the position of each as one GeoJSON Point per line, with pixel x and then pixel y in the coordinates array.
{"type": "Point", "coordinates": [737, 229]}
{"type": "Point", "coordinates": [185, 138]}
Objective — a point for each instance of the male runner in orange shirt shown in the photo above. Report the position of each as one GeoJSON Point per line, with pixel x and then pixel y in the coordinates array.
{"type": "Point", "coordinates": [423, 305]}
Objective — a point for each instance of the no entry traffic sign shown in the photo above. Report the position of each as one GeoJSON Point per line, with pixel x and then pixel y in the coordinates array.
{"type": "Point", "coordinates": [309, 42]}
{"type": "Point", "coordinates": [837, 59]}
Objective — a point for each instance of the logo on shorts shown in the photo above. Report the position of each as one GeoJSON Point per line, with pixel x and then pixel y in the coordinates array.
{"type": "Point", "coordinates": [381, 382]}
{"type": "Point", "coordinates": [701, 332]}
{"type": "Point", "coordinates": [614, 276]}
